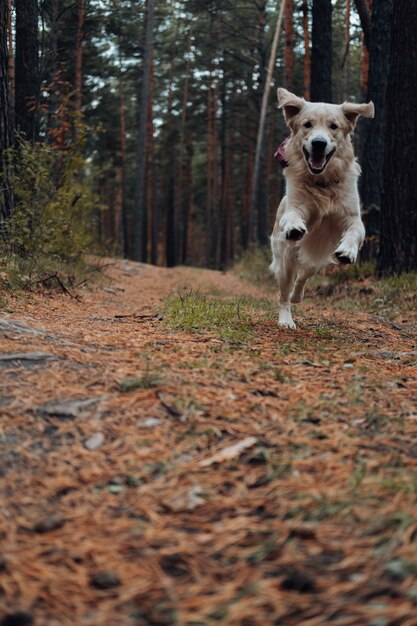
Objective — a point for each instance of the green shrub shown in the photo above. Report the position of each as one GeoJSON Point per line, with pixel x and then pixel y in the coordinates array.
{"type": "Point", "coordinates": [52, 224]}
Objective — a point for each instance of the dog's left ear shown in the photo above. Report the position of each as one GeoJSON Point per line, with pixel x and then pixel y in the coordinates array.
{"type": "Point", "coordinates": [352, 111]}
{"type": "Point", "coordinates": [291, 104]}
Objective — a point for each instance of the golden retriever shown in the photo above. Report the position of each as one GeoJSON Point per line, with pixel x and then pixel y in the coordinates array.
{"type": "Point", "coordinates": [319, 217]}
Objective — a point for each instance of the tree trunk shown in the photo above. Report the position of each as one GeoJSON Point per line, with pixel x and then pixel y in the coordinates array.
{"type": "Point", "coordinates": [365, 56]}
{"type": "Point", "coordinates": [289, 44]}
{"type": "Point", "coordinates": [78, 83]}
{"type": "Point", "coordinates": [121, 218]}
{"type": "Point", "coordinates": [181, 208]}
{"type": "Point", "coordinates": [169, 176]}
{"type": "Point", "coordinates": [212, 174]}
{"type": "Point", "coordinates": [139, 209]}
{"type": "Point", "coordinates": [346, 57]}
{"type": "Point", "coordinates": [258, 202]}
{"type": "Point", "coordinates": [27, 68]}
{"type": "Point", "coordinates": [321, 54]}
{"type": "Point", "coordinates": [150, 253]}
{"type": "Point", "coordinates": [307, 51]}
{"type": "Point", "coordinates": [373, 131]}
{"type": "Point", "coordinates": [11, 67]}
{"type": "Point", "coordinates": [6, 195]}
{"type": "Point", "coordinates": [362, 7]}
{"type": "Point", "coordinates": [398, 242]}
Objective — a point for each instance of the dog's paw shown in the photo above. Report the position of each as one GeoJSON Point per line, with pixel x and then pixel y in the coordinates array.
{"type": "Point", "coordinates": [295, 234]}
{"type": "Point", "coordinates": [287, 324]}
{"type": "Point", "coordinates": [345, 258]}
{"type": "Point", "coordinates": [285, 317]}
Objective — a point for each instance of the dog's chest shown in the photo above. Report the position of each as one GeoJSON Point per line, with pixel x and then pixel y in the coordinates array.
{"type": "Point", "coordinates": [324, 201]}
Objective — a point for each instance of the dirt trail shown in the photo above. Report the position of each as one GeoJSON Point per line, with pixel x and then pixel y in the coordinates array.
{"type": "Point", "coordinates": [153, 476]}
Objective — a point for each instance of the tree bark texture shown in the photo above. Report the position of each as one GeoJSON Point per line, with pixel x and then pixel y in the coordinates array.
{"type": "Point", "coordinates": [362, 7]}
{"type": "Point", "coordinates": [79, 58]}
{"type": "Point", "coordinates": [27, 90]}
{"type": "Point", "coordinates": [373, 130]}
{"type": "Point", "coordinates": [6, 189]}
{"type": "Point", "coordinates": [398, 240]}
{"type": "Point", "coordinates": [259, 199]}
{"type": "Point", "coordinates": [11, 65]}
{"type": "Point", "coordinates": [307, 51]}
{"type": "Point", "coordinates": [321, 53]}
{"type": "Point", "coordinates": [289, 44]}
{"type": "Point", "coordinates": [139, 208]}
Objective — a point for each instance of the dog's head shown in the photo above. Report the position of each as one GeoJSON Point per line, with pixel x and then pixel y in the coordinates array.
{"type": "Point", "coordinates": [320, 129]}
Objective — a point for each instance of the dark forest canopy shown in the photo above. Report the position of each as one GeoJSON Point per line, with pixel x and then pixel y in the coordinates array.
{"type": "Point", "coordinates": [165, 112]}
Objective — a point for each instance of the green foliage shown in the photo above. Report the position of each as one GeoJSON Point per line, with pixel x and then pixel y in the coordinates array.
{"type": "Point", "coordinates": [51, 226]}
{"type": "Point", "coordinates": [192, 311]}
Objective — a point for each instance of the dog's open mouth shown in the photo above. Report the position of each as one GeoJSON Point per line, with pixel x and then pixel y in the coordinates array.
{"type": "Point", "coordinates": [317, 162]}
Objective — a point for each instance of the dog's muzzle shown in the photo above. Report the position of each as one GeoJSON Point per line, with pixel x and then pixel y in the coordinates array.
{"type": "Point", "coordinates": [318, 157]}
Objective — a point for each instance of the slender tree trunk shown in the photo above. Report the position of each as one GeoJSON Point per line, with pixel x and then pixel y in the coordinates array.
{"type": "Point", "coordinates": [365, 57]}
{"type": "Point", "coordinates": [150, 182]}
{"type": "Point", "coordinates": [289, 44]}
{"type": "Point", "coordinates": [260, 144]}
{"type": "Point", "coordinates": [187, 198]}
{"type": "Point", "coordinates": [11, 67]}
{"type": "Point", "coordinates": [139, 209]}
{"type": "Point", "coordinates": [398, 241]}
{"type": "Point", "coordinates": [6, 195]}
{"type": "Point", "coordinates": [169, 173]}
{"type": "Point", "coordinates": [27, 68]}
{"type": "Point", "coordinates": [212, 177]}
{"type": "Point", "coordinates": [181, 208]}
{"type": "Point", "coordinates": [121, 224]}
{"type": "Point", "coordinates": [373, 131]}
{"type": "Point", "coordinates": [79, 59]}
{"type": "Point", "coordinates": [346, 58]}
{"type": "Point", "coordinates": [307, 51]}
{"type": "Point", "coordinates": [362, 7]}
{"type": "Point", "coordinates": [321, 54]}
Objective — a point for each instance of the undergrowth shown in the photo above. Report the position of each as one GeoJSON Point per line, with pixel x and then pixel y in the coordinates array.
{"type": "Point", "coordinates": [51, 227]}
{"type": "Point", "coordinates": [253, 267]}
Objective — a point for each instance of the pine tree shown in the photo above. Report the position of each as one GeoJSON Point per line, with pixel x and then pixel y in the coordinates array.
{"type": "Point", "coordinates": [27, 68]}
{"type": "Point", "coordinates": [6, 194]}
{"type": "Point", "coordinates": [398, 240]}
{"type": "Point", "coordinates": [321, 53]}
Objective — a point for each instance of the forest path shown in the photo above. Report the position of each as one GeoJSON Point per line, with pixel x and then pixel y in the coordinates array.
{"type": "Point", "coordinates": [162, 468]}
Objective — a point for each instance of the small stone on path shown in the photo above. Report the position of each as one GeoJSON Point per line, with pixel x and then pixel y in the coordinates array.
{"type": "Point", "coordinates": [94, 442]}
{"type": "Point", "coordinates": [105, 580]}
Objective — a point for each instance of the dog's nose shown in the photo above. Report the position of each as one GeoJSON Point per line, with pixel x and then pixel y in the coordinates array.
{"type": "Point", "coordinates": [319, 144]}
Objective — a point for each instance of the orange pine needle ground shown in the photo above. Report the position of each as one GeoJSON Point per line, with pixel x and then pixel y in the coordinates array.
{"type": "Point", "coordinates": [163, 518]}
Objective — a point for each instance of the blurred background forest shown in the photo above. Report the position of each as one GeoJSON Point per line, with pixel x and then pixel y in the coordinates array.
{"type": "Point", "coordinates": [135, 124]}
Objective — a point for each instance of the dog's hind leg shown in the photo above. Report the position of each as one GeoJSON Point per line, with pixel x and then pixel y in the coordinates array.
{"type": "Point", "coordinates": [303, 275]}
{"type": "Point", "coordinates": [285, 267]}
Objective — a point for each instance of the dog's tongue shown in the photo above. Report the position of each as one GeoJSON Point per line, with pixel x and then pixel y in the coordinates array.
{"type": "Point", "coordinates": [317, 161]}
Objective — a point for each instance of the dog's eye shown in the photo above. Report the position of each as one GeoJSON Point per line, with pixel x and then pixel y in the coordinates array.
{"type": "Point", "coordinates": [308, 125]}
{"type": "Point", "coordinates": [334, 126]}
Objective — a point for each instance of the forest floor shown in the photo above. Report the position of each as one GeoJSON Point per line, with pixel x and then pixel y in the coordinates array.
{"type": "Point", "coordinates": [169, 455]}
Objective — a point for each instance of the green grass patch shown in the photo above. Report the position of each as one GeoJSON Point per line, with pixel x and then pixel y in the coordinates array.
{"type": "Point", "coordinates": [196, 312]}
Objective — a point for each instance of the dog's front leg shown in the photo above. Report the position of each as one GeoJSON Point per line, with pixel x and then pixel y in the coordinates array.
{"type": "Point", "coordinates": [352, 239]}
{"type": "Point", "coordinates": [293, 223]}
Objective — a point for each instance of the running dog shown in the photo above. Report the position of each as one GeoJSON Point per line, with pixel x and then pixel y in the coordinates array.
{"type": "Point", "coordinates": [319, 217]}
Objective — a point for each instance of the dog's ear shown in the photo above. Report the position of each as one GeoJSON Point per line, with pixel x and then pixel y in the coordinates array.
{"type": "Point", "coordinates": [291, 104]}
{"type": "Point", "coordinates": [352, 111]}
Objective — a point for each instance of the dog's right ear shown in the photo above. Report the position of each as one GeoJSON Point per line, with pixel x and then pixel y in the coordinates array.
{"type": "Point", "coordinates": [291, 104]}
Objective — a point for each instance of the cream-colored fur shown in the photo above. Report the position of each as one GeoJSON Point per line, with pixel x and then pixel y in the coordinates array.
{"type": "Point", "coordinates": [319, 217]}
